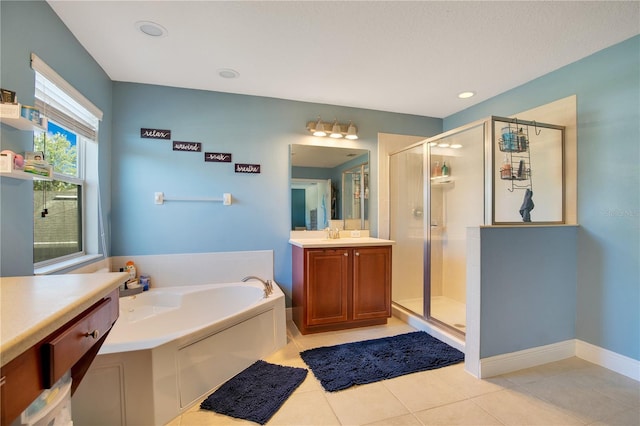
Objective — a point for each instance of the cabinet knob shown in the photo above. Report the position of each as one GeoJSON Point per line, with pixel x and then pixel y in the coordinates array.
{"type": "Point", "coordinates": [346, 254]}
{"type": "Point", "coordinates": [357, 254]}
{"type": "Point", "coordinates": [95, 334]}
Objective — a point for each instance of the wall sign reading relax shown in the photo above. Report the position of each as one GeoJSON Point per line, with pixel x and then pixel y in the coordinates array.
{"type": "Point", "coordinates": [187, 146]}
{"type": "Point", "coordinates": [217, 157]}
{"type": "Point", "coordinates": [155, 134]}
{"type": "Point", "coordinates": [247, 168]}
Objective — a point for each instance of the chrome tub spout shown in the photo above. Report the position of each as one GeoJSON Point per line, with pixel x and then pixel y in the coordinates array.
{"type": "Point", "coordinates": [268, 285]}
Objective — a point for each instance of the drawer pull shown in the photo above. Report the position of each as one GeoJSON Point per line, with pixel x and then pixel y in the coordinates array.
{"type": "Point", "coordinates": [95, 334]}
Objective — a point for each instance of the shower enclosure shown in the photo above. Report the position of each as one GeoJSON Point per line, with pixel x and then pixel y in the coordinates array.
{"type": "Point", "coordinates": [436, 192]}
{"type": "Point", "coordinates": [479, 174]}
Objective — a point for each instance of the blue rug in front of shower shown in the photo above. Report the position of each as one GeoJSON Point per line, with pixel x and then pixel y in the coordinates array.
{"type": "Point", "coordinates": [255, 393]}
{"type": "Point", "coordinates": [342, 366]}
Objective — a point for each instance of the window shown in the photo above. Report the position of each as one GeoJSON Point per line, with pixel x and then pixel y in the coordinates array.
{"type": "Point", "coordinates": [57, 215]}
{"type": "Point", "coordinates": [66, 213]}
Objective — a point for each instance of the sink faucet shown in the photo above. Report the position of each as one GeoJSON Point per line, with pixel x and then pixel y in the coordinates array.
{"type": "Point", "coordinates": [268, 285]}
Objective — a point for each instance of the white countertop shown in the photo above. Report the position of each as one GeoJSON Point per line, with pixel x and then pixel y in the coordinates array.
{"type": "Point", "coordinates": [339, 242]}
{"type": "Point", "coordinates": [33, 307]}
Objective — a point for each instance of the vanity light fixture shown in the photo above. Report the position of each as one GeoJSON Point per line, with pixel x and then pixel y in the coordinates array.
{"type": "Point", "coordinates": [352, 132]}
{"type": "Point", "coordinates": [336, 131]}
{"type": "Point", "coordinates": [456, 146]}
{"type": "Point", "coordinates": [318, 128]}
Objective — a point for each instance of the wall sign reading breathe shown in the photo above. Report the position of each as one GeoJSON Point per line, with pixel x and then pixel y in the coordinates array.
{"type": "Point", "coordinates": [247, 168]}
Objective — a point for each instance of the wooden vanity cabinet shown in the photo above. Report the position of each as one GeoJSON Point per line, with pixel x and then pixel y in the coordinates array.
{"type": "Point", "coordinates": [71, 347]}
{"type": "Point", "coordinates": [340, 287]}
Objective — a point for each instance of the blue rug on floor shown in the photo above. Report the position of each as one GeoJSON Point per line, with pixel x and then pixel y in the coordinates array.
{"type": "Point", "coordinates": [342, 366]}
{"type": "Point", "coordinates": [255, 393]}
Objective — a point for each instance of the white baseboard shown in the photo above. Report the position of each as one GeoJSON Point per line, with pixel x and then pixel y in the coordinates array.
{"type": "Point", "coordinates": [605, 358]}
{"type": "Point", "coordinates": [506, 363]}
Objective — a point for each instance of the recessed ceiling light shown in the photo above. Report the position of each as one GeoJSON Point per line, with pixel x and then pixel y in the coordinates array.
{"type": "Point", "coordinates": [465, 95]}
{"type": "Point", "coordinates": [228, 73]}
{"type": "Point", "coordinates": [151, 28]}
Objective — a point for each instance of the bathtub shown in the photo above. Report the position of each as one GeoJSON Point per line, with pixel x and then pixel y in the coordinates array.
{"type": "Point", "coordinates": [172, 346]}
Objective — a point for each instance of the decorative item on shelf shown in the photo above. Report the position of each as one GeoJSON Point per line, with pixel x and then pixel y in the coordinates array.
{"type": "Point", "coordinates": [36, 164]}
{"type": "Point", "coordinates": [437, 170]}
{"type": "Point", "coordinates": [505, 170]}
{"type": "Point", "coordinates": [513, 139]}
{"type": "Point", "coordinates": [30, 113]}
{"type": "Point", "coordinates": [8, 96]}
{"type": "Point", "coordinates": [338, 130]}
{"type": "Point", "coordinates": [445, 169]}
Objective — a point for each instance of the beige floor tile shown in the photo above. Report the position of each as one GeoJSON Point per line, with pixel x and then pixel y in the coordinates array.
{"type": "Point", "coordinates": [209, 418]}
{"type": "Point", "coordinates": [420, 391]}
{"type": "Point", "coordinates": [515, 408]}
{"type": "Point", "coordinates": [625, 418]}
{"type": "Point", "coordinates": [584, 402]}
{"type": "Point", "coordinates": [468, 385]}
{"type": "Point", "coordinates": [459, 413]}
{"type": "Point", "coordinates": [302, 409]}
{"type": "Point", "coordinates": [406, 420]}
{"type": "Point", "coordinates": [364, 404]}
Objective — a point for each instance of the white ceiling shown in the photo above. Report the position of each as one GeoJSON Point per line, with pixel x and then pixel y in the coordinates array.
{"type": "Point", "coordinates": [407, 57]}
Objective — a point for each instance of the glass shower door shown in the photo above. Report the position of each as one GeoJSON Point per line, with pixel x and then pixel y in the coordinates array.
{"type": "Point", "coordinates": [456, 199]}
{"type": "Point", "coordinates": [406, 211]}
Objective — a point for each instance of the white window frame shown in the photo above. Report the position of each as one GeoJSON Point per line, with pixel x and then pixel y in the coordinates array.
{"type": "Point", "coordinates": [75, 105]}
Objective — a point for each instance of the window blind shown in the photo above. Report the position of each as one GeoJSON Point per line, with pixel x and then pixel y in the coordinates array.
{"type": "Point", "coordinates": [62, 103]}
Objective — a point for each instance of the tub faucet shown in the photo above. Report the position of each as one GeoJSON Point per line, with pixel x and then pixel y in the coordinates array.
{"type": "Point", "coordinates": [268, 285]}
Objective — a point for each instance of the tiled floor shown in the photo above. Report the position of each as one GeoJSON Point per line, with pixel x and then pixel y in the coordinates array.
{"type": "Point", "coordinates": [567, 392]}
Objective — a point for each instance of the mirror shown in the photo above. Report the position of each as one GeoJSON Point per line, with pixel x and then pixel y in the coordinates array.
{"type": "Point", "coordinates": [320, 175]}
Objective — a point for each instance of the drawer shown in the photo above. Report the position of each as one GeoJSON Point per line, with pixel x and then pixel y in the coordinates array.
{"type": "Point", "coordinates": [64, 349]}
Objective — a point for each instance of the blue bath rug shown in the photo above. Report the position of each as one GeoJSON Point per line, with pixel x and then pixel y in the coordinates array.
{"type": "Point", "coordinates": [255, 393]}
{"type": "Point", "coordinates": [342, 366]}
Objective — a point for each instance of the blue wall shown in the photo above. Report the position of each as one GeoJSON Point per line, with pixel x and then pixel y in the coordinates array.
{"type": "Point", "coordinates": [254, 130]}
{"type": "Point", "coordinates": [524, 305]}
{"type": "Point", "coordinates": [607, 85]}
{"type": "Point", "coordinates": [28, 27]}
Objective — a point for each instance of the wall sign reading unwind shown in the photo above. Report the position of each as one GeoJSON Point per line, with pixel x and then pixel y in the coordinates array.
{"type": "Point", "coordinates": [155, 134]}
{"type": "Point", "coordinates": [187, 146]}
{"type": "Point", "coordinates": [247, 168]}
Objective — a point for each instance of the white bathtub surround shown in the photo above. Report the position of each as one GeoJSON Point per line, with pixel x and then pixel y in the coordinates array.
{"type": "Point", "coordinates": [172, 346]}
{"type": "Point", "coordinates": [169, 270]}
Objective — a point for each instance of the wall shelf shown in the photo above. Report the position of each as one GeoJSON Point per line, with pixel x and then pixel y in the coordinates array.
{"type": "Point", "coordinates": [10, 115]}
{"type": "Point", "coordinates": [19, 174]}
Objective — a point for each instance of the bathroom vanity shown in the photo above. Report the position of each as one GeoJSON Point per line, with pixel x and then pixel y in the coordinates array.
{"type": "Point", "coordinates": [51, 325]}
{"type": "Point", "coordinates": [340, 283]}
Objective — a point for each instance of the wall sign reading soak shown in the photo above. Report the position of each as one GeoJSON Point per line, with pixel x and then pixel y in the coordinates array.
{"type": "Point", "coordinates": [247, 168]}
{"type": "Point", "coordinates": [155, 134]}
{"type": "Point", "coordinates": [187, 146]}
{"type": "Point", "coordinates": [217, 157]}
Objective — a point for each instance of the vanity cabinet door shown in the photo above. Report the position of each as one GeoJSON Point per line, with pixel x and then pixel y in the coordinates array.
{"type": "Point", "coordinates": [371, 282]}
{"type": "Point", "coordinates": [328, 276]}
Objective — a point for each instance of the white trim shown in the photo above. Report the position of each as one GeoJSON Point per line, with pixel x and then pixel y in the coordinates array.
{"type": "Point", "coordinates": [514, 361]}
{"type": "Point", "coordinates": [420, 324]}
{"type": "Point", "coordinates": [608, 359]}
{"type": "Point", "coordinates": [39, 65]}
{"type": "Point", "coordinates": [70, 263]}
